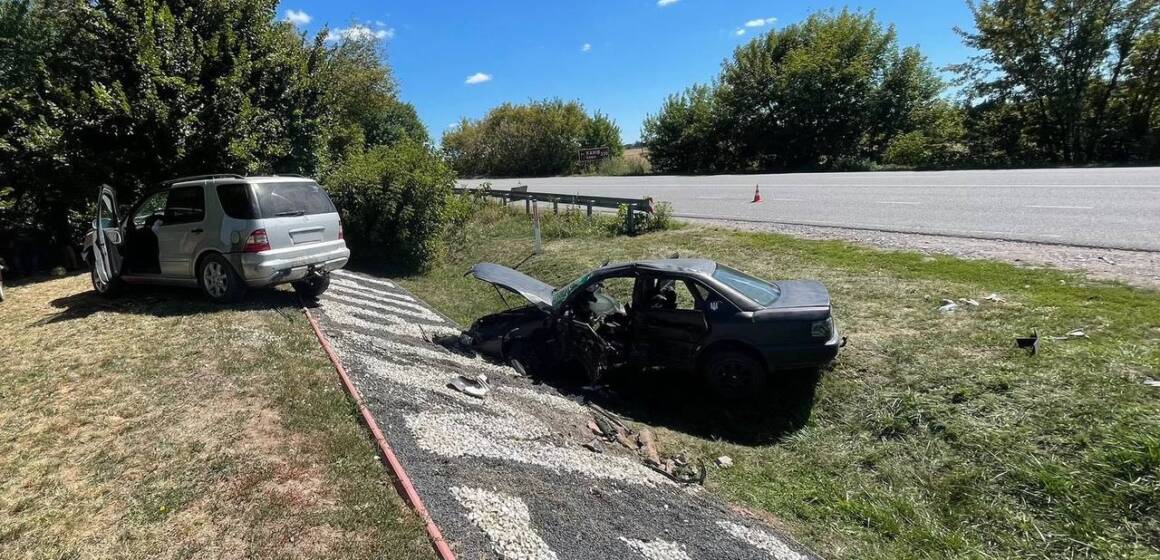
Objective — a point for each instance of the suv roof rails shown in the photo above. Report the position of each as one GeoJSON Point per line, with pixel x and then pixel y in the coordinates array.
{"type": "Point", "coordinates": [201, 178]}
{"type": "Point", "coordinates": [289, 175]}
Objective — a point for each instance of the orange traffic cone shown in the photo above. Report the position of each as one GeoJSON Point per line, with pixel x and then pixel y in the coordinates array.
{"type": "Point", "coordinates": [756, 194]}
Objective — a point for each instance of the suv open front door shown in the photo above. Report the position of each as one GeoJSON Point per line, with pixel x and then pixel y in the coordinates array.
{"type": "Point", "coordinates": [108, 241]}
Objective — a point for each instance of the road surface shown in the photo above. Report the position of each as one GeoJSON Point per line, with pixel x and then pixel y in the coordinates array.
{"type": "Point", "coordinates": [1110, 207]}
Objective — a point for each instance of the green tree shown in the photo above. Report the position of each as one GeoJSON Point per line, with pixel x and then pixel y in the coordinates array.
{"type": "Point", "coordinates": [832, 89]}
{"type": "Point", "coordinates": [1063, 62]}
{"type": "Point", "coordinates": [536, 139]}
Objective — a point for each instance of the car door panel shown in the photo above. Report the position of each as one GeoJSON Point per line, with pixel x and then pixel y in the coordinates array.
{"type": "Point", "coordinates": [181, 231]}
{"type": "Point", "coordinates": [109, 237]}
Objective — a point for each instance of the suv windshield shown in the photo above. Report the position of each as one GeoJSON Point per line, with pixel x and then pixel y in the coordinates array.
{"type": "Point", "coordinates": [296, 198]}
{"type": "Point", "coordinates": [760, 291]}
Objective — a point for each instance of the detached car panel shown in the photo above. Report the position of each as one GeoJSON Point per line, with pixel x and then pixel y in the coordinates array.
{"type": "Point", "coordinates": [683, 314]}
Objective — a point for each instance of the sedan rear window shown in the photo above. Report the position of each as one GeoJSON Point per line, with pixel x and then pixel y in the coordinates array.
{"type": "Point", "coordinates": [297, 198]}
{"type": "Point", "coordinates": [760, 291]}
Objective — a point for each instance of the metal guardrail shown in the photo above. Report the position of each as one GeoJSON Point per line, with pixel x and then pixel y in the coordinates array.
{"type": "Point", "coordinates": [634, 205]}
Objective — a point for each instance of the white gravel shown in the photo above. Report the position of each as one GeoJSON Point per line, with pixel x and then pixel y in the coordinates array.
{"type": "Point", "coordinates": [400, 309]}
{"type": "Point", "coordinates": [366, 290]}
{"type": "Point", "coordinates": [762, 540]}
{"type": "Point", "coordinates": [506, 522]}
{"type": "Point", "coordinates": [365, 279]}
{"type": "Point", "coordinates": [657, 549]}
{"type": "Point", "coordinates": [345, 313]}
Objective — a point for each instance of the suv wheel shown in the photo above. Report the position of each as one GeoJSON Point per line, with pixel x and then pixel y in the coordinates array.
{"type": "Point", "coordinates": [735, 375]}
{"type": "Point", "coordinates": [312, 287]}
{"type": "Point", "coordinates": [218, 280]}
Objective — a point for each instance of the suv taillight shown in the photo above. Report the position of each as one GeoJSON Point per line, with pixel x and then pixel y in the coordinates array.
{"type": "Point", "coordinates": [257, 242]}
{"type": "Point", "coordinates": [340, 231]}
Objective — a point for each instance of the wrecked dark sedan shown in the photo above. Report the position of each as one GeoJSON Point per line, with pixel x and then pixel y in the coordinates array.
{"type": "Point", "coordinates": [682, 314]}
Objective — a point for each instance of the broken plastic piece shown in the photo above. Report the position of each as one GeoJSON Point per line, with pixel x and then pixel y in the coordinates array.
{"type": "Point", "coordinates": [1029, 343]}
{"type": "Point", "coordinates": [724, 461]}
{"type": "Point", "coordinates": [995, 298]}
{"type": "Point", "coordinates": [472, 386]}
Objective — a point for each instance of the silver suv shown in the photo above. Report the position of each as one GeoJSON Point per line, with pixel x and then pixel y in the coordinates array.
{"type": "Point", "coordinates": [223, 233]}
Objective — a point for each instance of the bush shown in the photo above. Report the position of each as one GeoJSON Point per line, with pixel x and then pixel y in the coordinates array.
{"type": "Point", "coordinates": [393, 202]}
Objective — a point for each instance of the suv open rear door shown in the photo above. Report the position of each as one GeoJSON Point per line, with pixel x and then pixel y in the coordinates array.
{"type": "Point", "coordinates": [108, 239]}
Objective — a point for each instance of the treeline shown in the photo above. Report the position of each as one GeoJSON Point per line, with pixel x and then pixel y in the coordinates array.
{"type": "Point", "coordinates": [132, 92]}
{"type": "Point", "coordinates": [1056, 83]}
{"type": "Point", "coordinates": [536, 139]}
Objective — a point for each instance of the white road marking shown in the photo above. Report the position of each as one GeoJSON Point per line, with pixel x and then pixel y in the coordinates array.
{"type": "Point", "coordinates": [782, 199]}
{"type": "Point", "coordinates": [772, 545]}
{"type": "Point", "coordinates": [345, 314]}
{"type": "Point", "coordinates": [351, 294]}
{"type": "Point", "coordinates": [1054, 207]}
{"type": "Point", "coordinates": [657, 549]}
{"type": "Point", "coordinates": [386, 307]}
{"type": "Point", "coordinates": [346, 274]}
{"type": "Point", "coordinates": [506, 522]}
{"type": "Point", "coordinates": [356, 286]}
{"type": "Point", "coordinates": [897, 202]}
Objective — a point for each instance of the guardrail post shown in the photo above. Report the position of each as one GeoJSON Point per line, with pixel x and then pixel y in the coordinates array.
{"type": "Point", "coordinates": [527, 206]}
{"type": "Point", "coordinates": [590, 209]}
{"type": "Point", "coordinates": [555, 206]}
{"type": "Point", "coordinates": [631, 219]}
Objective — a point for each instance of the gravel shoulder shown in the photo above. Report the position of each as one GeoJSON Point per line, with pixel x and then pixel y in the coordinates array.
{"type": "Point", "coordinates": [507, 476]}
{"type": "Point", "coordinates": [1135, 268]}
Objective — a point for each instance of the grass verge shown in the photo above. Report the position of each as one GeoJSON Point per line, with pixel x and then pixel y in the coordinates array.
{"type": "Point", "coordinates": [932, 436]}
{"type": "Point", "coordinates": [161, 426]}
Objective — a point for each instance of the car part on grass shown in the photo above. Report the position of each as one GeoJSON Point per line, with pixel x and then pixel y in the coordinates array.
{"type": "Point", "coordinates": [687, 315]}
{"type": "Point", "coordinates": [1029, 343]}
{"type": "Point", "coordinates": [1072, 335]}
{"type": "Point", "coordinates": [1152, 382]}
{"type": "Point", "coordinates": [724, 462]}
{"type": "Point", "coordinates": [474, 386]}
{"type": "Point", "coordinates": [948, 306]}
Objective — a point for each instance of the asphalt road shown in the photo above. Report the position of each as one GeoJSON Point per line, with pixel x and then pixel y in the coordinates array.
{"type": "Point", "coordinates": [1108, 207]}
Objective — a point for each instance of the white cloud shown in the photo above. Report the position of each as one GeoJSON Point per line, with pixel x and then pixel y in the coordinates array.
{"type": "Point", "coordinates": [740, 31]}
{"type": "Point", "coordinates": [761, 22]}
{"type": "Point", "coordinates": [298, 17]}
{"type": "Point", "coordinates": [361, 32]}
{"type": "Point", "coordinates": [586, 47]}
{"type": "Point", "coordinates": [663, 3]}
{"type": "Point", "coordinates": [477, 78]}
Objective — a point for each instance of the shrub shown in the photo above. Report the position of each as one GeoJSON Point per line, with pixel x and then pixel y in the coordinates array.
{"type": "Point", "coordinates": [393, 202]}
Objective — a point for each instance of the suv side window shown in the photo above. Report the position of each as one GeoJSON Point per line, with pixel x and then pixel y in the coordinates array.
{"type": "Point", "coordinates": [186, 205]}
{"type": "Point", "coordinates": [152, 206]}
{"type": "Point", "coordinates": [236, 201]}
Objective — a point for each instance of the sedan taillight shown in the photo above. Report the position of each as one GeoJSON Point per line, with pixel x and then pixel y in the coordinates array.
{"type": "Point", "coordinates": [822, 329]}
{"type": "Point", "coordinates": [257, 242]}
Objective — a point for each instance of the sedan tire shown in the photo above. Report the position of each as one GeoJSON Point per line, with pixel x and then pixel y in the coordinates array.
{"type": "Point", "coordinates": [734, 375]}
{"type": "Point", "coordinates": [218, 280]}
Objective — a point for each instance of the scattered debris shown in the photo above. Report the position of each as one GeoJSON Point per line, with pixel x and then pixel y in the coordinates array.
{"type": "Point", "coordinates": [1029, 343]}
{"type": "Point", "coordinates": [969, 302]}
{"type": "Point", "coordinates": [995, 298]}
{"type": "Point", "coordinates": [1152, 382]}
{"type": "Point", "coordinates": [724, 462]}
{"type": "Point", "coordinates": [681, 471]}
{"type": "Point", "coordinates": [519, 367]}
{"type": "Point", "coordinates": [594, 446]}
{"type": "Point", "coordinates": [1107, 260]}
{"type": "Point", "coordinates": [1078, 333]}
{"type": "Point", "coordinates": [475, 386]}
{"type": "Point", "coordinates": [948, 306]}
{"type": "Point", "coordinates": [592, 427]}
{"type": "Point", "coordinates": [649, 446]}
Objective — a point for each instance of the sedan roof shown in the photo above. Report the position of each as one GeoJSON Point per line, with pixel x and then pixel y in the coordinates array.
{"type": "Point", "coordinates": [698, 266]}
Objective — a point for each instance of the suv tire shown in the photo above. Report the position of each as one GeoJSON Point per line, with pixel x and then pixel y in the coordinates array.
{"type": "Point", "coordinates": [311, 288]}
{"type": "Point", "coordinates": [735, 375]}
{"type": "Point", "coordinates": [218, 280]}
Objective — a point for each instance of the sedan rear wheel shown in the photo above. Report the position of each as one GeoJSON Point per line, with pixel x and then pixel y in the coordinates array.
{"type": "Point", "coordinates": [218, 280]}
{"type": "Point", "coordinates": [735, 375]}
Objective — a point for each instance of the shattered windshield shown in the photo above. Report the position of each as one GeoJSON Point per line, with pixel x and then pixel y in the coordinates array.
{"type": "Point", "coordinates": [562, 294]}
{"type": "Point", "coordinates": [760, 291]}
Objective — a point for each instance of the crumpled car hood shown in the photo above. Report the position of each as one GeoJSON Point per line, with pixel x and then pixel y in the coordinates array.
{"type": "Point", "coordinates": [535, 291]}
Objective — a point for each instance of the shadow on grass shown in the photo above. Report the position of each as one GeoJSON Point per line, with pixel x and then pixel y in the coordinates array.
{"type": "Point", "coordinates": [680, 402]}
{"type": "Point", "coordinates": [163, 301]}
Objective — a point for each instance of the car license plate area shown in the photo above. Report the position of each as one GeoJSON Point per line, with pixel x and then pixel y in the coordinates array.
{"type": "Point", "coordinates": [306, 235]}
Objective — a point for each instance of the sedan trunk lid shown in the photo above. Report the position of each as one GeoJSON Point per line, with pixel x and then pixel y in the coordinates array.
{"type": "Point", "coordinates": [535, 291]}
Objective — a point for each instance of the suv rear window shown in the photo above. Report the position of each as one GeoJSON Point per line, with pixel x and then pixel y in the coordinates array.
{"type": "Point", "coordinates": [292, 199]}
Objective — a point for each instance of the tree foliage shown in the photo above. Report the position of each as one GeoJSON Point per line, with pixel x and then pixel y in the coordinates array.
{"type": "Point", "coordinates": [1075, 78]}
{"type": "Point", "coordinates": [537, 139]}
{"type": "Point", "coordinates": [834, 87]}
{"type": "Point", "coordinates": [131, 92]}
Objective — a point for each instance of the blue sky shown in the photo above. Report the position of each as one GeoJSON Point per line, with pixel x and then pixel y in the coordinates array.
{"type": "Point", "coordinates": [622, 57]}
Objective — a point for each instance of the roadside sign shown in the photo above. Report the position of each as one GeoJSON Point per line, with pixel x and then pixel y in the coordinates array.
{"type": "Point", "coordinates": [594, 154]}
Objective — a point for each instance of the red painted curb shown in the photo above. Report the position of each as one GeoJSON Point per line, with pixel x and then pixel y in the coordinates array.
{"type": "Point", "coordinates": [402, 480]}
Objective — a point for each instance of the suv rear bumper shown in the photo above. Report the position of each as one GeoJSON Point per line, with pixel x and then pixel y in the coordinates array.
{"type": "Point", "coordinates": [288, 265]}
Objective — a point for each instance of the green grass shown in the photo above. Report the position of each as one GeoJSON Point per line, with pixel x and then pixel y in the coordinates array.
{"type": "Point", "coordinates": [932, 436]}
{"type": "Point", "coordinates": [161, 426]}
